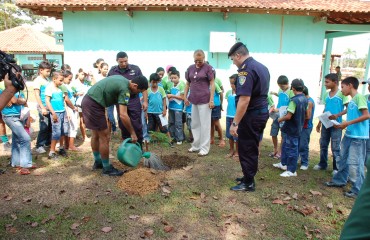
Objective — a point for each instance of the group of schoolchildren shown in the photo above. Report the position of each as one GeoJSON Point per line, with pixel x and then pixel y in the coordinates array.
{"type": "Point", "coordinates": [167, 93]}
{"type": "Point", "coordinates": [59, 107]}
{"type": "Point", "coordinates": [59, 99]}
{"type": "Point", "coordinates": [349, 153]}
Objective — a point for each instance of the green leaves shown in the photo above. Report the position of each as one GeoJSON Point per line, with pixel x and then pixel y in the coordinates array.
{"type": "Point", "coordinates": [159, 138]}
{"type": "Point", "coordinates": [12, 16]}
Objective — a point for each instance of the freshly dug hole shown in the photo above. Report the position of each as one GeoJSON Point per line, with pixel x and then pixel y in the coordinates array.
{"type": "Point", "coordinates": [175, 161]}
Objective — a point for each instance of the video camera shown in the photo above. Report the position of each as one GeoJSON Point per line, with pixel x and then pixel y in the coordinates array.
{"type": "Point", "coordinates": [9, 66]}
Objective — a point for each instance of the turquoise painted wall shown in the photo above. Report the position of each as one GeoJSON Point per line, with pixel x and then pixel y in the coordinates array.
{"type": "Point", "coordinates": [301, 35]}
{"type": "Point", "coordinates": [186, 31]}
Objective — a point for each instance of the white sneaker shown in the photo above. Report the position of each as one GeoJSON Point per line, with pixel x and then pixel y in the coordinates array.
{"type": "Point", "coordinates": [334, 172]}
{"type": "Point", "coordinates": [179, 143]}
{"type": "Point", "coordinates": [202, 154]}
{"type": "Point", "coordinates": [317, 167]}
{"type": "Point", "coordinates": [304, 168]}
{"type": "Point", "coordinates": [40, 150]}
{"type": "Point", "coordinates": [279, 165]}
{"type": "Point", "coordinates": [288, 174]}
{"type": "Point", "coordinates": [193, 150]}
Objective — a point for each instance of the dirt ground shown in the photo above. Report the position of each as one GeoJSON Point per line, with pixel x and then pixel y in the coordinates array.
{"type": "Point", "coordinates": [177, 161]}
{"type": "Point", "coordinates": [67, 200]}
{"type": "Point", "coordinates": [141, 181]}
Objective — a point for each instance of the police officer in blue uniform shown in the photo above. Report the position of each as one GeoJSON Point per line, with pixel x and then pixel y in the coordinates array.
{"type": "Point", "coordinates": [130, 71]}
{"type": "Point", "coordinates": [251, 113]}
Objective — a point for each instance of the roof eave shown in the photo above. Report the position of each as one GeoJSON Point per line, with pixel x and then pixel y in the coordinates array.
{"type": "Point", "coordinates": [58, 9]}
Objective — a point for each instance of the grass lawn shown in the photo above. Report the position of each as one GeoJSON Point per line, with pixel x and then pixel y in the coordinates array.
{"type": "Point", "coordinates": [67, 200]}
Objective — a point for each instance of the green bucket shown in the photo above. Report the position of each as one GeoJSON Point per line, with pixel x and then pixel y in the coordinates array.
{"type": "Point", "coordinates": [130, 153]}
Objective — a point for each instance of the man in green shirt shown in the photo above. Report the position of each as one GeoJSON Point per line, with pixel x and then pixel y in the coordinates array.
{"type": "Point", "coordinates": [339, 73]}
{"type": "Point", "coordinates": [107, 92]}
{"type": "Point", "coordinates": [357, 225]}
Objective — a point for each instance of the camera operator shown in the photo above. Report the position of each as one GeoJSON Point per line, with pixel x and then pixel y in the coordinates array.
{"type": "Point", "coordinates": [6, 96]}
{"type": "Point", "coordinates": [8, 92]}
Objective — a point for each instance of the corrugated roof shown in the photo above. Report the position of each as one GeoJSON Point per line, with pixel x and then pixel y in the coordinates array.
{"type": "Point", "coordinates": [25, 39]}
{"type": "Point", "coordinates": [362, 6]}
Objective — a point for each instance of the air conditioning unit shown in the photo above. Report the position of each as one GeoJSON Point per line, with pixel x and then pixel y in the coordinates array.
{"type": "Point", "coordinates": [221, 42]}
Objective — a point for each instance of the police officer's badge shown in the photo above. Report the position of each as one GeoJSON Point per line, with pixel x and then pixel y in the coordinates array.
{"type": "Point", "coordinates": [242, 77]}
{"type": "Point", "coordinates": [241, 80]}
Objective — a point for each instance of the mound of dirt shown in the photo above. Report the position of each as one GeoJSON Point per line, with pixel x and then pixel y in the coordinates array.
{"type": "Point", "coordinates": [141, 181]}
{"type": "Point", "coordinates": [175, 161]}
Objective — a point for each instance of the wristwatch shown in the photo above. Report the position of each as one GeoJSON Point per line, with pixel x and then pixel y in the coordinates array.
{"type": "Point", "coordinates": [235, 124]}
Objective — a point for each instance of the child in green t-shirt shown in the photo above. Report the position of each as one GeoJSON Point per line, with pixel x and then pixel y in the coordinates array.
{"type": "Point", "coordinates": [176, 105]}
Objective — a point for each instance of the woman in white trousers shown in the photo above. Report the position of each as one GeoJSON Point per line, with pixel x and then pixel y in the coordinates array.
{"type": "Point", "coordinates": [200, 81]}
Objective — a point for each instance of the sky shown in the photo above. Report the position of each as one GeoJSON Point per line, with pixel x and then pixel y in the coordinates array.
{"type": "Point", "coordinates": [359, 43]}
{"type": "Point", "coordinates": [57, 25]}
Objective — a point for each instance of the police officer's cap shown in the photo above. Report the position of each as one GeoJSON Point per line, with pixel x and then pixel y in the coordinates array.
{"type": "Point", "coordinates": [235, 47]}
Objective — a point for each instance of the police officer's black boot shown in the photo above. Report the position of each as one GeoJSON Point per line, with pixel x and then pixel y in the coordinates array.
{"type": "Point", "coordinates": [246, 187]}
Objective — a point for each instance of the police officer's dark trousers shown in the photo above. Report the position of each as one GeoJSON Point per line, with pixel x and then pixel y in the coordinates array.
{"type": "Point", "coordinates": [134, 112]}
{"type": "Point", "coordinates": [250, 130]}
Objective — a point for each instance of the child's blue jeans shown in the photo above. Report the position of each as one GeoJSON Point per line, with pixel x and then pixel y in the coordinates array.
{"type": "Point", "coordinates": [304, 143]}
{"type": "Point", "coordinates": [146, 136]}
{"type": "Point", "coordinates": [289, 152]}
{"type": "Point", "coordinates": [229, 121]}
{"type": "Point", "coordinates": [335, 136]}
{"type": "Point", "coordinates": [59, 128]}
{"type": "Point", "coordinates": [21, 142]}
{"type": "Point", "coordinates": [175, 125]}
{"type": "Point", "coordinates": [351, 163]}
{"type": "Point", "coordinates": [44, 136]}
{"type": "Point", "coordinates": [367, 150]}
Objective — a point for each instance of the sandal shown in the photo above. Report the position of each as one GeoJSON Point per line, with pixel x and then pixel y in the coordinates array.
{"type": "Point", "coordinates": [222, 144]}
{"type": "Point", "coordinates": [229, 155]}
{"type": "Point", "coordinates": [272, 154]}
{"type": "Point", "coordinates": [75, 149]}
{"type": "Point", "coordinates": [24, 171]}
{"type": "Point", "coordinates": [20, 168]}
{"type": "Point", "coordinates": [236, 156]}
{"type": "Point", "coordinates": [277, 156]}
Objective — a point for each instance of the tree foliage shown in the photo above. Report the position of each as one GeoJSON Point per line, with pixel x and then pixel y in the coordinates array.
{"type": "Point", "coordinates": [49, 31]}
{"type": "Point", "coordinates": [12, 16]}
{"type": "Point", "coordinates": [349, 55]}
